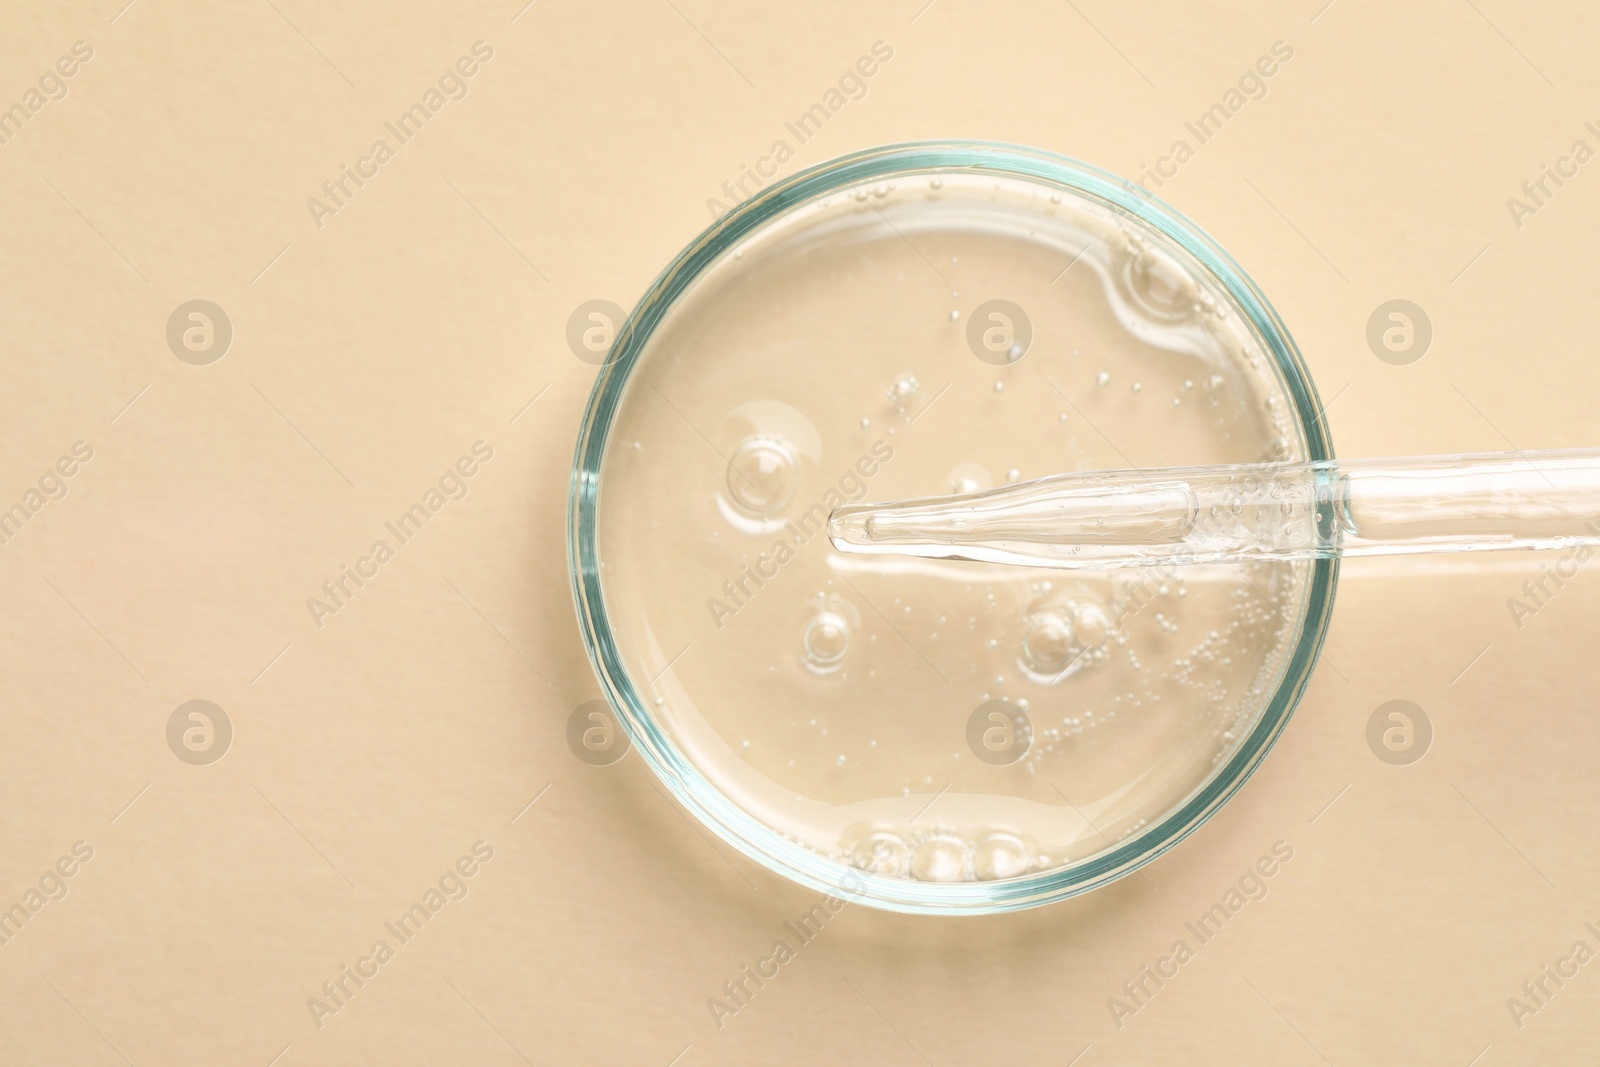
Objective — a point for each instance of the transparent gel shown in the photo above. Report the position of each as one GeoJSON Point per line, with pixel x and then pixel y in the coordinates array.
{"type": "Point", "coordinates": [829, 360]}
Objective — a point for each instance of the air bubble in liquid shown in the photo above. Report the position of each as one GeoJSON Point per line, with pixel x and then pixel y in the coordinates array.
{"type": "Point", "coordinates": [1062, 638]}
{"type": "Point", "coordinates": [1161, 286]}
{"type": "Point", "coordinates": [1000, 855]}
{"type": "Point", "coordinates": [940, 858]}
{"type": "Point", "coordinates": [970, 478]}
{"type": "Point", "coordinates": [1091, 625]}
{"type": "Point", "coordinates": [882, 852]}
{"type": "Point", "coordinates": [762, 475]}
{"type": "Point", "coordinates": [825, 641]}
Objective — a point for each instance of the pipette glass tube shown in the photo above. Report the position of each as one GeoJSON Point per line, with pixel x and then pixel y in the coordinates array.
{"type": "Point", "coordinates": [1217, 514]}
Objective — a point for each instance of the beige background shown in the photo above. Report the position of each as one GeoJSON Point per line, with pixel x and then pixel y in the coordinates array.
{"type": "Point", "coordinates": [371, 753]}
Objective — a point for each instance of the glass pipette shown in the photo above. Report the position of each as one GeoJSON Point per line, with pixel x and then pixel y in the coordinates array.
{"type": "Point", "coordinates": [1276, 511]}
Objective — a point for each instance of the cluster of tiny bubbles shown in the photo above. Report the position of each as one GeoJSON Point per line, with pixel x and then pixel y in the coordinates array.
{"type": "Point", "coordinates": [941, 855]}
{"type": "Point", "coordinates": [902, 389]}
{"type": "Point", "coordinates": [763, 475]}
{"type": "Point", "coordinates": [1047, 640]}
{"type": "Point", "coordinates": [881, 190]}
{"type": "Point", "coordinates": [1277, 414]}
{"type": "Point", "coordinates": [1073, 725]}
{"type": "Point", "coordinates": [1206, 304]}
{"type": "Point", "coordinates": [1253, 616]}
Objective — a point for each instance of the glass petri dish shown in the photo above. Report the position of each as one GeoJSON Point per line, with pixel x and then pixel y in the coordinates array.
{"type": "Point", "coordinates": [936, 736]}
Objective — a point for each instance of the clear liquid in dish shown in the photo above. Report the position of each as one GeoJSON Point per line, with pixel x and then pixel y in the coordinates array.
{"type": "Point", "coordinates": [850, 703]}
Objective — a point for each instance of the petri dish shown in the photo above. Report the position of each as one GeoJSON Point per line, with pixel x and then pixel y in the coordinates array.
{"type": "Point", "coordinates": [936, 736]}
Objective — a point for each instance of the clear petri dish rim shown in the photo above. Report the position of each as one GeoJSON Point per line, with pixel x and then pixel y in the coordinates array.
{"type": "Point", "coordinates": [737, 827]}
